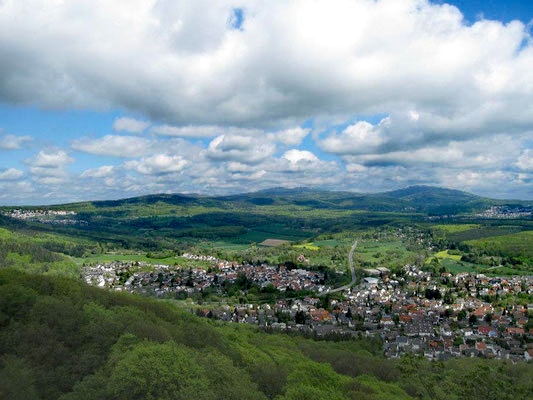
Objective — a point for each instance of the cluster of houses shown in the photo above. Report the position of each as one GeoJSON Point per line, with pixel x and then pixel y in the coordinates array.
{"type": "Point", "coordinates": [55, 217]}
{"type": "Point", "coordinates": [412, 311]}
{"type": "Point", "coordinates": [507, 212]}
{"type": "Point", "coordinates": [405, 319]}
{"type": "Point", "coordinates": [165, 280]}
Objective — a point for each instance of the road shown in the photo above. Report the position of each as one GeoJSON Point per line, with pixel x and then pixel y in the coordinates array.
{"type": "Point", "coordinates": [352, 271]}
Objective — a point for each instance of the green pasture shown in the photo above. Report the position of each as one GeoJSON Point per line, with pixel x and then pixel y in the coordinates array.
{"type": "Point", "coordinates": [308, 246]}
{"type": "Point", "coordinates": [445, 254]}
{"type": "Point", "coordinates": [455, 266]}
{"type": "Point", "coordinates": [454, 228]}
{"type": "Point", "coordinates": [329, 242]}
{"type": "Point", "coordinates": [388, 253]}
{"type": "Point", "coordinates": [460, 266]}
{"type": "Point", "coordinates": [317, 245]}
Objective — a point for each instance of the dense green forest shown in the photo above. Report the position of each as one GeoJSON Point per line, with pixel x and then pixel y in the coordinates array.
{"type": "Point", "coordinates": [60, 339]}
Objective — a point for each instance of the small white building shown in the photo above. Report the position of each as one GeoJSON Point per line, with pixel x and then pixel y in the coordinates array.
{"type": "Point", "coordinates": [370, 281]}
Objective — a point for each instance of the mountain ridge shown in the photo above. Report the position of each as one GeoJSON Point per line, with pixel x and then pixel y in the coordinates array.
{"type": "Point", "coordinates": [420, 198]}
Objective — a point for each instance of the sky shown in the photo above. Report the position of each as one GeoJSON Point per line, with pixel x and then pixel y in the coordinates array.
{"type": "Point", "coordinates": [107, 99]}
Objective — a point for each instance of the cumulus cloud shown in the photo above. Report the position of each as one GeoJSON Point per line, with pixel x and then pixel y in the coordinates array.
{"type": "Point", "coordinates": [525, 161]}
{"type": "Point", "coordinates": [130, 125]}
{"type": "Point", "coordinates": [51, 159]}
{"type": "Point", "coordinates": [431, 95]}
{"type": "Point", "coordinates": [500, 150]}
{"type": "Point", "coordinates": [360, 137]}
{"type": "Point", "coordinates": [292, 137]}
{"type": "Point", "coordinates": [49, 167]}
{"type": "Point", "coordinates": [114, 145]}
{"type": "Point", "coordinates": [234, 166]}
{"type": "Point", "coordinates": [303, 165]}
{"type": "Point", "coordinates": [259, 174]}
{"type": "Point", "coordinates": [12, 142]}
{"type": "Point", "coordinates": [101, 172]}
{"type": "Point", "coordinates": [157, 164]}
{"type": "Point", "coordinates": [294, 156]}
{"type": "Point", "coordinates": [16, 192]}
{"type": "Point", "coordinates": [290, 60]}
{"type": "Point", "coordinates": [243, 149]}
{"type": "Point", "coordinates": [190, 131]}
{"type": "Point", "coordinates": [11, 174]}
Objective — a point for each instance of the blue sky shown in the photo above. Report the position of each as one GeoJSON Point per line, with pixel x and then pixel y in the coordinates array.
{"type": "Point", "coordinates": [501, 10]}
{"type": "Point", "coordinates": [133, 97]}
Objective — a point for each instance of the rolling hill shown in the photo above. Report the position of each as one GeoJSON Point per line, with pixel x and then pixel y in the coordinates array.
{"type": "Point", "coordinates": [159, 220]}
{"type": "Point", "coordinates": [425, 199]}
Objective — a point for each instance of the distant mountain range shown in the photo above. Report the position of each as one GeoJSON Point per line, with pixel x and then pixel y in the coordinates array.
{"type": "Point", "coordinates": [161, 220]}
{"type": "Point", "coordinates": [415, 199]}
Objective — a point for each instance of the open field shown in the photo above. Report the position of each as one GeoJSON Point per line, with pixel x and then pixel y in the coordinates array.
{"type": "Point", "coordinates": [454, 228]}
{"type": "Point", "coordinates": [308, 246]}
{"type": "Point", "coordinates": [455, 266]}
{"type": "Point", "coordinates": [389, 253]}
{"type": "Point", "coordinates": [329, 242]}
{"type": "Point", "coordinates": [445, 255]}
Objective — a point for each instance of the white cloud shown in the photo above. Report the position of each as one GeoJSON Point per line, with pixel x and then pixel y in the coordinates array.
{"type": "Point", "coordinates": [203, 131]}
{"type": "Point", "coordinates": [49, 179]}
{"type": "Point", "coordinates": [525, 161]}
{"type": "Point", "coordinates": [50, 159]}
{"type": "Point", "coordinates": [157, 164]}
{"type": "Point", "coordinates": [12, 142]}
{"type": "Point", "coordinates": [452, 97]}
{"type": "Point", "coordinates": [358, 138]}
{"type": "Point", "coordinates": [260, 174]}
{"type": "Point", "coordinates": [187, 131]}
{"type": "Point", "coordinates": [233, 166]}
{"type": "Point", "coordinates": [302, 165]}
{"type": "Point", "coordinates": [114, 145]}
{"type": "Point", "coordinates": [499, 150]}
{"type": "Point", "coordinates": [49, 167]}
{"type": "Point", "coordinates": [243, 149]}
{"type": "Point", "coordinates": [16, 192]}
{"type": "Point", "coordinates": [484, 182]}
{"type": "Point", "coordinates": [292, 137]}
{"type": "Point", "coordinates": [11, 174]}
{"type": "Point", "coordinates": [355, 168]}
{"type": "Point", "coordinates": [294, 156]}
{"type": "Point", "coordinates": [130, 125]}
{"type": "Point", "coordinates": [181, 62]}
{"type": "Point", "coordinates": [101, 172]}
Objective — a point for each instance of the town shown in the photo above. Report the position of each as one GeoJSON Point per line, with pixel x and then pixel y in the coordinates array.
{"type": "Point", "coordinates": [45, 216]}
{"type": "Point", "coordinates": [437, 316]}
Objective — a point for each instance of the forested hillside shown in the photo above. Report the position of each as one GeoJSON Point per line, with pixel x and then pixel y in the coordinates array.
{"type": "Point", "coordinates": [60, 339]}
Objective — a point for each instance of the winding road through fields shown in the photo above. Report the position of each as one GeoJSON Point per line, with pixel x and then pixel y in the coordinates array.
{"type": "Point", "coordinates": [352, 271]}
